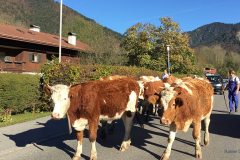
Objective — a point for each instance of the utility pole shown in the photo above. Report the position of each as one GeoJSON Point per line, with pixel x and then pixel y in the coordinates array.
{"type": "Point", "coordinates": [60, 33]}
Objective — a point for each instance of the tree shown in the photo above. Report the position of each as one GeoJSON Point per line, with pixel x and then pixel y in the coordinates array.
{"type": "Point", "coordinates": [146, 47]}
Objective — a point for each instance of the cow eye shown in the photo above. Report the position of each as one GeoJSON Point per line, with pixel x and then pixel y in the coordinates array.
{"type": "Point", "coordinates": [174, 105]}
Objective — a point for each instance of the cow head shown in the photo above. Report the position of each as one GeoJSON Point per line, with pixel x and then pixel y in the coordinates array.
{"type": "Point", "coordinates": [60, 98]}
{"type": "Point", "coordinates": [152, 87]}
{"type": "Point", "coordinates": [170, 101]}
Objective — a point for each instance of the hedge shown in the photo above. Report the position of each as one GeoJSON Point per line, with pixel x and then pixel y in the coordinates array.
{"type": "Point", "coordinates": [19, 91]}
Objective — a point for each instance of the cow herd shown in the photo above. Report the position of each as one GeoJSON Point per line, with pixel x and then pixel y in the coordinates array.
{"type": "Point", "coordinates": [183, 102]}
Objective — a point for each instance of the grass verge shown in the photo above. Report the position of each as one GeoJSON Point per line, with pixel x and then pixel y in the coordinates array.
{"type": "Point", "coordinates": [19, 118]}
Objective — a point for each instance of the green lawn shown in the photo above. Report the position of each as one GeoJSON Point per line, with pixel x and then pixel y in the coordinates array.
{"type": "Point", "coordinates": [24, 117]}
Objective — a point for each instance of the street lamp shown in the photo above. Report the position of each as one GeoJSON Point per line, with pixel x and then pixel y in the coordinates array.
{"type": "Point", "coordinates": [168, 59]}
{"type": "Point", "coordinates": [60, 32]}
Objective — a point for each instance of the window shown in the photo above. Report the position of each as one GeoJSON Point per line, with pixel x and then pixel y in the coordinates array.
{"type": "Point", "coordinates": [2, 56]}
{"type": "Point", "coordinates": [35, 57]}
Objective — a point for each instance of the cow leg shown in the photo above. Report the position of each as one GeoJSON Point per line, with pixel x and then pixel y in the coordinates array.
{"type": "Point", "coordinates": [78, 153]}
{"type": "Point", "coordinates": [140, 103]}
{"type": "Point", "coordinates": [111, 130]}
{"type": "Point", "coordinates": [93, 126]}
{"type": "Point", "coordinates": [128, 122]}
{"type": "Point", "coordinates": [197, 136]}
{"type": "Point", "coordinates": [103, 133]}
{"type": "Point", "coordinates": [154, 109]}
{"type": "Point", "coordinates": [206, 135]}
{"type": "Point", "coordinates": [155, 106]}
{"type": "Point", "coordinates": [148, 112]}
{"type": "Point", "coordinates": [172, 134]}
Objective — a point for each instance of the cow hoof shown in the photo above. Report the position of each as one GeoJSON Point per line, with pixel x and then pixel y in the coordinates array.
{"type": "Point", "coordinates": [125, 145]}
{"type": "Point", "coordinates": [93, 158]}
{"type": "Point", "coordinates": [110, 131]}
{"type": "Point", "coordinates": [206, 143]}
{"type": "Point", "coordinates": [122, 149]}
{"type": "Point", "coordinates": [76, 158]}
{"type": "Point", "coordinates": [163, 157]}
{"type": "Point", "coordinates": [199, 155]}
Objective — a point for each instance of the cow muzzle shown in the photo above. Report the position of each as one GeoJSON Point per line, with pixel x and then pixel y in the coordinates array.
{"type": "Point", "coordinates": [164, 121]}
{"type": "Point", "coordinates": [56, 116]}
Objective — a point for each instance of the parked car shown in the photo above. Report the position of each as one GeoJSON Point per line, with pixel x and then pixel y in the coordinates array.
{"type": "Point", "coordinates": [217, 82]}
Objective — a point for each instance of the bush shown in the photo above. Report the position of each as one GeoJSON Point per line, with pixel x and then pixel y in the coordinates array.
{"type": "Point", "coordinates": [19, 91]}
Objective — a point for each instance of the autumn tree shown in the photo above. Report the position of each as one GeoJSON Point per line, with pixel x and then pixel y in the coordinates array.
{"type": "Point", "coordinates": [146, 47]}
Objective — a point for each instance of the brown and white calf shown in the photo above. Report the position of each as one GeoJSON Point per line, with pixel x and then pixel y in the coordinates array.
{"type": "Point", "coordinates": [89, 102]}
{"type": "Point", "coordinates": [189, 102]}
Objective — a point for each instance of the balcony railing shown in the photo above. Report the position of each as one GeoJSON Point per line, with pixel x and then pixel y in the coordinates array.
{"type": "Point", "coordinates": [14, 66]}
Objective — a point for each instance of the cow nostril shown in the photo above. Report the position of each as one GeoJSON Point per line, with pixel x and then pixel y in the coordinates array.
{"type": "Point", "coordinates": [56, 115]}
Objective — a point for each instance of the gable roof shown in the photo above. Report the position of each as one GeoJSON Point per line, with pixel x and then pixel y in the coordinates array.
{"type": "Point", "coordinates": [26, 35]}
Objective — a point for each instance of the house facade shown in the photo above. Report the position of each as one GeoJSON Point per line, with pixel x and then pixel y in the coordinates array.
{"type": "Point", "coordinates": [25, 50]}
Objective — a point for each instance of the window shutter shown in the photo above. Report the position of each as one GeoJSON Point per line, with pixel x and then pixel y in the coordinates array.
{"type": "Point", "coordinates": [30, 57]}
{"type": "Point", "coordinates": [40, 58]}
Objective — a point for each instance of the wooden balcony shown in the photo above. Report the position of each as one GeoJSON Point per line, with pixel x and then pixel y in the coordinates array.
{"type": "Point", "coordinates": [12, 66]}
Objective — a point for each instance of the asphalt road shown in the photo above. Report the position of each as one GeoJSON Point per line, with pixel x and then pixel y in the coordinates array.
{"type": "Point", "coordinates": [147, 144]}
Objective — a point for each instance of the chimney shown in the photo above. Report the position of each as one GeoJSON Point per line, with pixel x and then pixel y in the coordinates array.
{"type": "Point", "coordinates": [72, 38]}
{"type": "Point", "coordinates": [34, 28]}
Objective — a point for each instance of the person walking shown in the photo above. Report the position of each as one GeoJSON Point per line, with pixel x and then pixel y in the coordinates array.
{"type": "Point", "coordinates": [164, 75]}
{"type": "Point", "coordinates": [233, 88]}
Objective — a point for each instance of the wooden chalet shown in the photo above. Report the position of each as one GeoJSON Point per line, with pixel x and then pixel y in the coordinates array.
{"type": "Point", "coordinates": [25, 50]}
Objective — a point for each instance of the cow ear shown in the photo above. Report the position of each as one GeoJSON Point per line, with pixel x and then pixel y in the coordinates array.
{"type": "Point", "coordinates": [47, 89]}
{"type": "Point", "coordinates": [179, 102]}
{"type": "Point", "coordinates": [154, 99]}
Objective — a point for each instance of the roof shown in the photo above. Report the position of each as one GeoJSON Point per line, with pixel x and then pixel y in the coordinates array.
{"type": "Point", "coordinates": [26, 35]}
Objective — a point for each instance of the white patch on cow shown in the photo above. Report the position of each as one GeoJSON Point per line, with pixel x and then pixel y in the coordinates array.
{"type": "Point", "coordinates": [61, 102]}
{"type": "Point", "coordinates": [184, 86]}
{"type": "Point", "coordinates": [117, 116]}
{"type": "Point", "coordinates": [167, 96]}
{"type": "Point", "coordinates": [141, 85]}
{"type": "Point", "coordinates": [187, 125]}
{"type": "Point", "coordinates": [79, 150]}
{"type": "Point", "coordinates": [178, 81]}
{"type": "Point", "coordinates": [110, 78]}
{"type": "Point", "coordinates": [131, 106]}
{"type": "Point", "coordinates": [104, 101]}
{"type": "Point", "coordinates": [201, 79]}
{"type": "Point", "coordinates": [166, 85]}
{"type": "Point", "coordinates": [80, 124]}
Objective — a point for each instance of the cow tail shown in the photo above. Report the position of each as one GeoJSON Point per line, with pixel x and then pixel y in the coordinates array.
{"type": "Point", "coordinates": [138, 119]}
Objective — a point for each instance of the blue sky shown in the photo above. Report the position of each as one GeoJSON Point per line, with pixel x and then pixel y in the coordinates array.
{"type": "Point", "coordinates": [119, 15]}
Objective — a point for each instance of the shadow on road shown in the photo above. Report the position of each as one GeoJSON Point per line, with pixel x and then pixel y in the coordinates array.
{"type": "Point", "coordinates": [48, 130]}
{"type": "Point", "coordinates": [225, 125]}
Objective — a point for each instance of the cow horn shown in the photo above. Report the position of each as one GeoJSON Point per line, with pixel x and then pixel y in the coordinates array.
{"type": "Point", "coordinates": [47, 89]}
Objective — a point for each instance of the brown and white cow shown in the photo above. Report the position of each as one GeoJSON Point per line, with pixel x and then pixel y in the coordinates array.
{"type": "Point", "coordinates": [156, 86]}
{"type": "Point", "coordinates": [89, 102]}
{"type": "Point", "coordinates": [104, 123]}
{"type": "Point", "coordinates": [189, 102]}
{"type": "Point", "coordinates": [169, 79]}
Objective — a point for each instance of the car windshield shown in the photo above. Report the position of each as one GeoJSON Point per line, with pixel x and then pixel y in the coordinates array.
{"type": "Point", "coordinates": [214, 78]}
